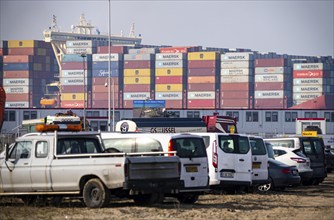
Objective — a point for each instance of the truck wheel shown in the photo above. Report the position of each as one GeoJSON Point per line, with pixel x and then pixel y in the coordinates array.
{"type": "Point", "coordinates": [188, 198]}
{"type": "Point", "coordinates": [95, 194]}
{"type": "Point", "coordinates": [148, 199]}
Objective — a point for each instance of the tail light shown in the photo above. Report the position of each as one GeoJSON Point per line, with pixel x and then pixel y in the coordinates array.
{"type": "Point", "coordinates": [171, 147]}
{"type": "Point", "coordinates": [286, 170]}
{"type": "Point", "coordinates": [215, 160]}
{"type": "Point", "coordinates": [298, 159]}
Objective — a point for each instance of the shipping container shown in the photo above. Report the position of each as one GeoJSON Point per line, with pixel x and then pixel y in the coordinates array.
{"type": "Point", "coordinates": [236, 79]}
{"type": "Point", "coordinates": [97, 65]}
{"type": "Point", "coordinates": [270, 86]}
{"type": "Point", "coordinates": [68, 58]}
{"type": "Point", "coordinates": [73, 96]}
{"type": "Point", "coordinates": [243, 56]}
{"type": "Point", "coordinates": [128, 104]}
{"type": "Point", "coordinates": [138, 72]}
{"type": "Point", "coordinates": [270, 103]}
{"type": "Point", "coordinates": [310, 74]}
{"type": "Point", "coordinates": [79, 44]}
{"type": "Point", "coordinates": [236, 86]}
{"type": "Point", "coordinates": [173, 104]}
{"type": "Point", "coordinates": [235, 103]}
{"type": "Point", "coordinates": [201, 79]}
{"type": "Point", "coordinates": [136, 96]}
{"type": "Point", "coordinates": [103, 88]}
{"type": "Point", "coordinates": [23, 43]}
{"type": "Point", "coordinates": [273, 94]}
{"type": "Point", "coordinates": [103, 96]}
{"type": "Point", "coordinates": [168, 80]}
{"type": "Point", "coordinates": [139, 64]}
{"type": "Point", "coordinates": [203, 55]}
{"type": "Point", "coordinates": [168, 87]}
{"type": "Point", "coordinates": [17, 89]}
{"type": "Point", "coordinates": [105, 57]}
{"type": "Point", "coordinates": [170, 56]}
{"type": "Point", "coordinates": [312, 89]}
{"type": "Point", "coordinates": [75, 66]}
{"type": "Point", "coordinates": [103, 81]}
{"type": "Point", "coordinates": [169, 71]}
{"type": "Point", "coordinates": [273, 70]}
{"type": "Point", "coordinates": [104, 104]}
{"type": "Point", "coordinates": [201, 104]}
{"type": "Point", "coordinates": [113, 49]}
{"type": "Point", "coordinates": [136, 88]}
{"type": "Point", "coordinates": [276, 62]}
{"type": "Point", "coordinates": [18, 66]}
{"type": "Point", "coordinates": [22, 97]}
{"type": "Point", "coordinates": [236, 65]}
{"type": "Point", "coordinates": [74, 81]}
{"type": "Point", "coordinates": [202, 72]}
{"type": "Point", "coordinates": [236, 94]}
{"type": "Point", "coordinates": [168, 96]}
{"type": "Point", "coordinates": [312, 81]}
{"type": "Point", "coordinates": [201, 87]}
{"type": "Point", "coordinates": [137, 80]}
{"type": "Point", "coordinates": [17, 82]}
{"type": "Point", "coordinates": [72, 104]}
{"type": "Point", "coordinates": [73, 73]}
{"type": "Point", "coordinates": [202, 64]}
{"type": "Point", "coordinates": [178, 49]}
{"type": "Point", "coordinates": [103, 73]}
{"type": "Point", "coordinates": [170, 64]}
{"type": "Point", "coordinates": [17, 104]}
{"type": "Point", "coordinates": [18, 59]}
{"type": "Point", "coordinates": [137, 57]}
{"type": "Point", "coordinates": [29, 51]}
{"type": "Point", "coordinates": [310, 66]}
{"type": "Point", "coordinates": [271, 78]}
{"type": "Point", "coordinates": [239, 71]}
{"type": "Point", "coordinates": [71, 88]}
{"type": "Point", "coordinates": [143, 51]}
{"type": "Point", "coordinates": [201, 95]}
{"type": "Point", "coordinates": [18, 74]}
{"type": "Point", "coordinates": [306, 96]}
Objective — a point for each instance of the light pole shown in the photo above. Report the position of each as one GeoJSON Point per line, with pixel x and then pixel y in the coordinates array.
{"type": "Point", "coordinates": [84, 73]}
{"type": "Point", "coordinates": [109, 79]}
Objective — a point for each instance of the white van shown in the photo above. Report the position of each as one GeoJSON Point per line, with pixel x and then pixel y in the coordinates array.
{"type": "Point", "coordinates": [230, 160]}
{"type": "Point", "coordinates": [190, 149]}
{"type": "Point", "coordinates": [259, 161]}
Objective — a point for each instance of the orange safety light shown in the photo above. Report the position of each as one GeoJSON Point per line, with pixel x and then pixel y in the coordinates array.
{"type": "Point", "coordinates": [44, 127]}
{"type": "Point", "coordinates": [74, 127]}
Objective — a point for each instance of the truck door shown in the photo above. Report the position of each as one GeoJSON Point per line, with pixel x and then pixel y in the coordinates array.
{"type": "Point", "coordinates": [16, 171]}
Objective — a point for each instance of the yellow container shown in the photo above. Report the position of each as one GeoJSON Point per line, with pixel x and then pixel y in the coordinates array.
{"type": "Point", "coordinates": [169, 71]}
{"type": "Point", "coordinates": [137, 72]}
{"type": "Point", "coordinates": [72, 96]}
{"type": "Point", "coordinates": [22, 43]}
{"type": "Point", "coordinates": [202, 55]}
{"type": "Point", "coordinates": [201, 79]}
{"type": "Point", "coordinates": [137, 80]}
{"type": "Point", "coordinates": [168, 87]}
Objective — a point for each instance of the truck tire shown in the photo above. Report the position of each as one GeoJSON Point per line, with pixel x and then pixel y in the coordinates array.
{"type": "Point", "coordinates": [95, 194]}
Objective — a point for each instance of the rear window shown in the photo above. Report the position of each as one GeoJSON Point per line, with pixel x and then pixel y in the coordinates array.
{"type": "Point", "coordinates": [78, 146]}
{"type": "Point", "coordinates": [258, 147]}
{"type": "Point", "coordinates": [282, 143]}
{"type": "Point", "coordinates": [234, 144]}
{"type": "Point", "coordinates": [190, 147]}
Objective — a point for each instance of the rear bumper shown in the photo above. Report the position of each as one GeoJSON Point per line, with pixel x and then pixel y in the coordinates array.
{"type": "Point", "coordinates": [152, 186]}
{"type": "Point", "coordinates": [230, 184]}
{"type": "Point", "coordinates": [284, 182]}
{"type": "Point", "coordinates": [306, 175]}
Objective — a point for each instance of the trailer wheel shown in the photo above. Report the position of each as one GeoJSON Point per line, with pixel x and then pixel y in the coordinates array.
{"type": "Point", "coordinates": [95, 194]}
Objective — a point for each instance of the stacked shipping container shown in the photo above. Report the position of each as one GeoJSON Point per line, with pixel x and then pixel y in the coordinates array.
{"type": "Point", "coordinates": [236, 80]}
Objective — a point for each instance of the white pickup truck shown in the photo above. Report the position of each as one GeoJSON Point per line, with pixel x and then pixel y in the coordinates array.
{"type": "Point", "coordinates": [63, 164]}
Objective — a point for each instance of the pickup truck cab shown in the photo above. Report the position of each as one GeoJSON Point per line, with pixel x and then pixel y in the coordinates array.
{"type": "Point", "coordinates": [76, 164]}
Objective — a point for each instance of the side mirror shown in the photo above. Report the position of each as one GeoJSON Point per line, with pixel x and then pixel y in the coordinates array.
{"type": "Point", "coordinates": [6, 152]}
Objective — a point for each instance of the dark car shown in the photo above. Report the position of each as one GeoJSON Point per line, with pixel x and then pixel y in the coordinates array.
{"type": "Point", "coordinates": [280, 174]}
{"type": "Point", "coordinates": [329, 156]}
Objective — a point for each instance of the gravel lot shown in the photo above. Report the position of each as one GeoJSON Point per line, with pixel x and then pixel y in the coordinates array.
{"type": "Point", "coordinates": [303, 202]}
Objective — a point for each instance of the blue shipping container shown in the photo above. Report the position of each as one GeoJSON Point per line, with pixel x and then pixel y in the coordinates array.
{"type": "Point", "coordinates": [104, 72]}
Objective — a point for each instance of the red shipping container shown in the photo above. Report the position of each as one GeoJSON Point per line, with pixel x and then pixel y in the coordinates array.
{"type": "Point", "coordinates": [139, 64]}
{"type": "Point", "coordinates": [235, 86]}
{"type": "Point", "coordinates": [202, 64]}
{"type": "Point", "coordinates": [201, 104]}
{"type": "Point", "coordinates": [269, 86]}
{"type": "Point", "coordinates": [17, 74]}
{"type": "Point", "coordinates": [18, 59]}
{"type": "Point", "coordinates": [103, 88]}
{"type": "Point", "coordinates": [23, 97]}
{"type": "Point", "coordinates": [113, 49]}
{"type": "Point", "coordinates": [72, 104]}
{"type": "Point", "coordinates": [234, 103]}
{"type": "Point", "coordinates": [179, 49]}
{"type": "Point", "coordinates": [104, 80]}
{"type": "Point", "coordinates": [104, 96]}
{"type": "Point", "coordinates": [173, 104]}
{"type": "Point", "coordinates": [202, 72]}
{"type": "Point", "coordinates": [235, 95]}
{"type": "Point", "coordinates": [104, 104]}
{"type": "Point", "coordinates": [168, 80]}
{"type": "Point", "coordinates": [201, 87]}
{"type": "Point", "coordinates": [269, 103]}
{"type": "Point", "coordinates": [277, 62]}
{"type": "Point", "coordinates": [72, 89]}
{"type": "Point", "coordinates": [310, 74]}
{"type": "Point", "coordinates": [136, 88]}
{"type": "Point", "coordinates": [128, 104]}
{"type": "Point", "coordinates": [74, 66]}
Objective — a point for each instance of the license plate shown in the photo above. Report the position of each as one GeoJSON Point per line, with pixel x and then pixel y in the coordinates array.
{"type": "Point", "coordinates": [256, 165]}
{"type": "Point", "coordinates": [226, 174]}
{"type": "Point", "coordinates": [191, 169]}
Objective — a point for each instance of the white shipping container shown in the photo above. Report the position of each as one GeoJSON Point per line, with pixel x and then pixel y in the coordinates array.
{"type": "Point", "coordinates": [66, 81]}
{"type": "Point", "coordinates": [136, 95]}
{"type": "Point", "coordinates": [17, 105]}
{"type": "Point", "coordinates": [308, 81]}
{"type": "Point", "coordinates": [79, 51]}
{"type": "Point", "coordinates": [17, 82]}
{"type": "Point", "coordinates": [229, 72]}
{"type": "Point", "coordinates": [143, 51]}
{"type": "Point", "coordinates": [305, 96]}
{"type": "Point", "coordinates": [170, 56]}
{"type": "Point", "coordinates": [236, 79]}
{"type": "Point", "coordinates": [237, 56]}
{"type": "Point", "coordinates": [236, 64]}
{"type": "Point", "coordinates": [79, 43]}
{"type": "Point", "coordinates": [312, 89]}
{"type": "Point", "coordinates": [269, 78]}
{"type": "Point", "coordinates": [169, 64]}
{"type": "Point", "coordinates": [105, 57]}
{"type": "Point", "coordinates": [16, 89]}
{"type": "Point", "coordinates": [73, 73]}
{"type": "Point", "coordinates": [139, 56]}
{"type": "Point", "coordinates": [274, 94]}
{"type": "Point", "coordinates": [308, 66]}
{"type": "Point", "coordinates": [267, 70]}
{"type": "Point", "coordinates": [168, 95]}
{"type": "Point", "coordinates": [201, 95]}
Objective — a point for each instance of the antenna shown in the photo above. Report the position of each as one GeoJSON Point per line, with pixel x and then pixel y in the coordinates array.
{"type": "Point", "coordinates": [54, 23]}
{"type": "Point", "coordinates": [132, 31]}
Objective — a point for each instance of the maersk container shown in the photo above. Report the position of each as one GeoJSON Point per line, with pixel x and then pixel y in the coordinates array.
{"type": "Point", "coordinates": [169, 71]}
{"type": "Point", "coordinates": [138, 88]}
{"type": "Point", "coordinates": [170, 56]}
{"type": "Point", "coordinates": [129, 57]}
{"type": "Point", "coordinates": [18, 74]}
{"type": "Point", "coordinates": [105, 89]}
{"type": "Point", "coordinates": [201, 87]}
{"type": "Point", "coordinates": [202, 64]}
{"type": "Point", "coordinates": [143, 51]}
{"type": "Point", "coordinates": [270, 86]}
{"type": "Point", "coordinates": [71, 88]}
{"type": "Point", "coordinates": [273, 70]}
{"type": "Point", "coordinates": [236, 79]}
{"type": "Point", "coordinates": [168, 96]}
{"type": "Point", "coordinates": [139, 64]}
{"type": "Point", "coordinates": [271, 94]}
{"type": "Point", "coordinates": [306, 96]}
{"type": "Point", "coordinates": [104, 73]}
{"type": "Point", "coordinates": [17, 89]}
{"type": "Point", "coordinates": [105, 57]}
{"type": "Point", "coordinates": [312, 89]}
{"type": "Point", "coordinates": [271, 78]}
{"type": "Point", "coordinates": [168, 87]}
{"type": "Point", "coordinates": [17, 66]}
{"type": "Point", "coordinates": [201, 104]}
{"type": "Point", "coordinates": [17, 82]}
{"type": "Point", "coordinates": [202, 72]}
{"type": "Point", "coordinates": [79, 44]}
{"type": "Point", "coordinates": [80, 51]}
{"type": "Point", "coordinates": [137, 80]}
{"type": "Point", "coordinates": [97, 65]}
{"type": "Point", "coordinates": [234, 103]}
{"type": "Point", "coordinates": [236, 64]}
{"type": "Point", "coordinates": [72, 73]}
{"type": "Point", "coordinates": [235, 94]}
{"type": "Point", "coordinates": [201, 95]}
{"type": "Point", "coordinates": [311, 81]}
{"type": "Point", "coordinates": [16, 104]}
{"type": "Point", "coordinates": [203, 55]}
{"type": "Point", "coordinates": [243, 56]}
{"type": "Point", "coordinates": [179, 49]}
{"type": "Point", "coordinates": [201, 79]}
{"type": "Point", "coordinates": [170, 64]}
{"type": "Point", "coordinates": [232, 72]}
{"type": "Point", "coordinates": [233, 86]}
{"type": "Point", "coordinates": [73, 81]}
{"type": "Point", "coordinates": [310, 74]}
{"type": "Point", "coordinates": [310, 66]}
{"type": "Point", "coordinates": [136, 95]}
{"type": "Point", "coordinates": [137, 72]}
{"type": "Point", "coordinates": [168, 80]}
{"type": "Point", "coordinates": [277, 62]}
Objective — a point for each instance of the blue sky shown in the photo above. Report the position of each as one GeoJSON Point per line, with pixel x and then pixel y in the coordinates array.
{"type": "Point", "coordinates": [285, 27]}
